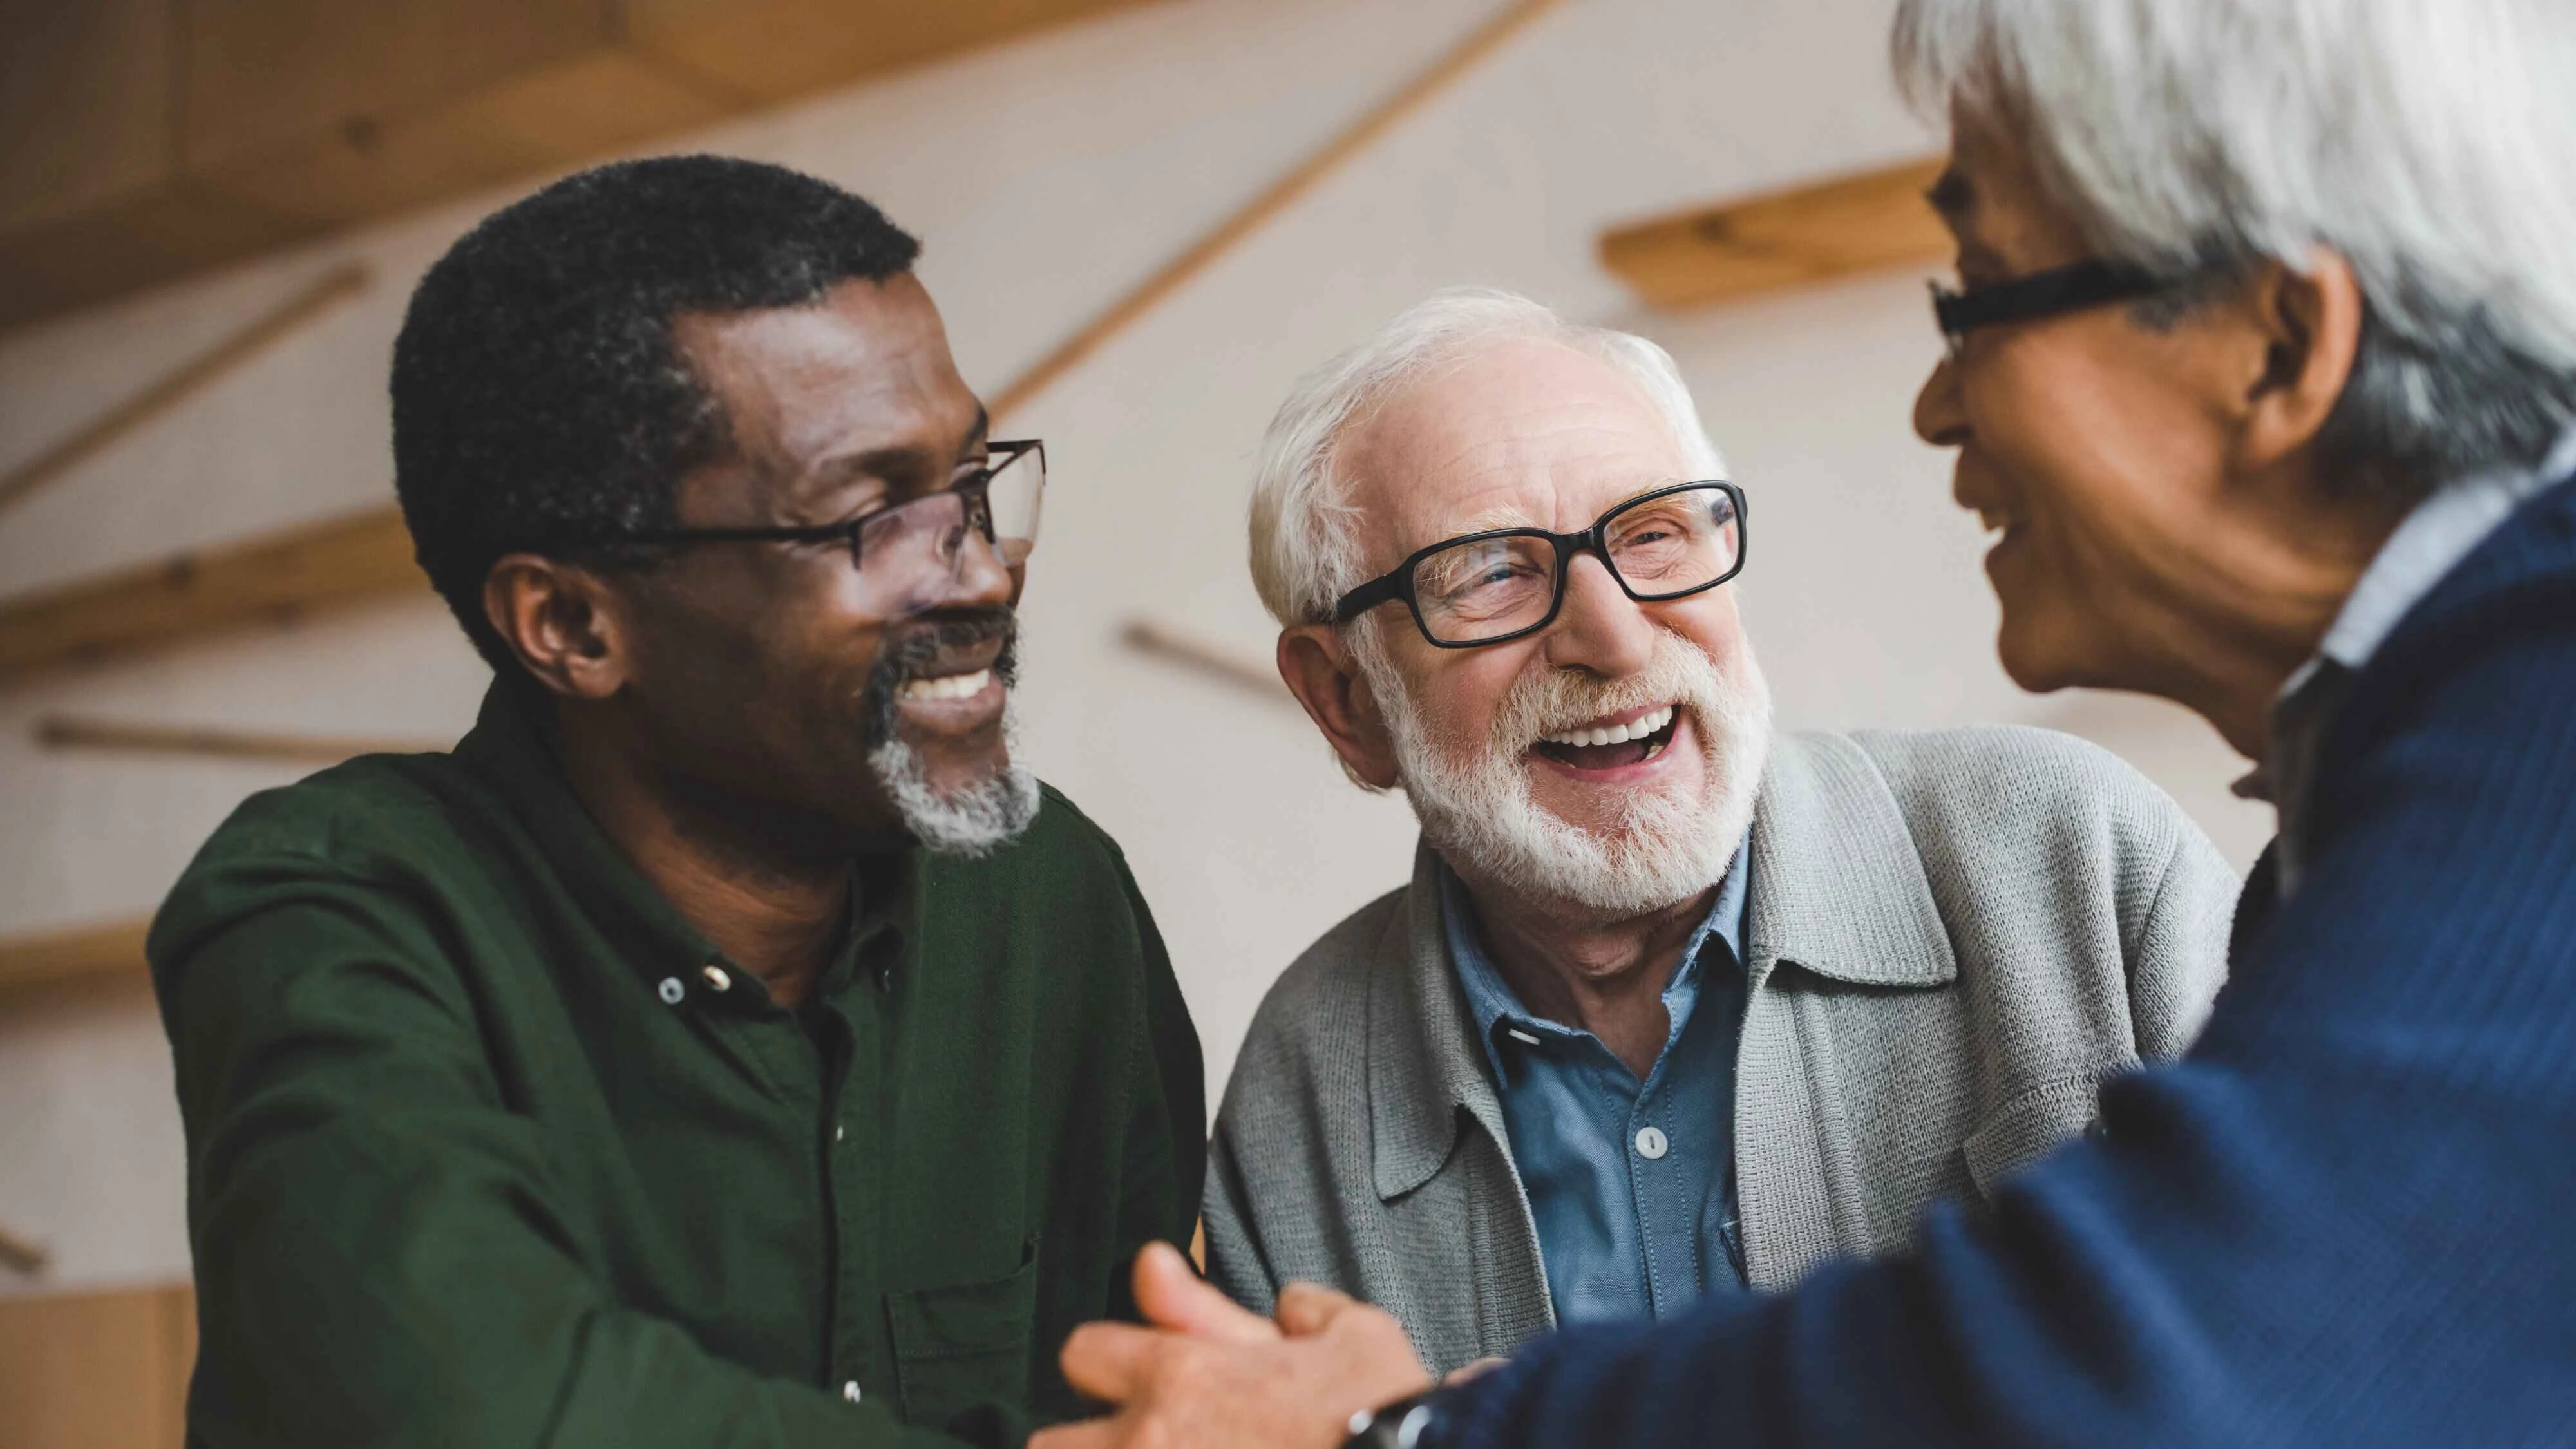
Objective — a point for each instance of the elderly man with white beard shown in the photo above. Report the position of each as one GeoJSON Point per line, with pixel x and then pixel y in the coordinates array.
{"type": "Point", "coordinates": [1670, 1008]}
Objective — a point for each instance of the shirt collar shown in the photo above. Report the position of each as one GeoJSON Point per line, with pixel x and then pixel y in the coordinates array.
{"type": "Point", "coordinates": [1496, 1008]}
{"type": "Point", "coordinates": [2430, 542]}
{"type": "Point", "coordinates": [512, 743]}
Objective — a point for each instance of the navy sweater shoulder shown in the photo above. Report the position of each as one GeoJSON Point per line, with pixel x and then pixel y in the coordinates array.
{"type": "Point", "coordinates": [2347, 1217]}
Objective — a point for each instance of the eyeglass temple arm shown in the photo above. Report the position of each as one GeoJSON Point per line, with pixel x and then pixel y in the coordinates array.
{"type": "Point", "coordinates": [1369, 595]}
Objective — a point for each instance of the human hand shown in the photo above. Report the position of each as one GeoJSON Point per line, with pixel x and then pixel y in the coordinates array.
{"type": "Point", "coordinates": [1211, 1376]}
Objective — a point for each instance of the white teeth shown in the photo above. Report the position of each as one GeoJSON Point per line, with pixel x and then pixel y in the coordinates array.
{"type": "Point", "coordinates": [949, 686]}
{"type": "Point", "coordinates": [1637, 729]}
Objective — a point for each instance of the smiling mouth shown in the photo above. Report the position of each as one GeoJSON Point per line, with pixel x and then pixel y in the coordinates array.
{"type": "Point", "coordinates": [947, 686]}
{"type": "Point", "coordinates": [1612, 747]}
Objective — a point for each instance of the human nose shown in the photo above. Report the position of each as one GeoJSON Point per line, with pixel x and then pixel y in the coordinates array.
{"type": "Point", "coordinates": [1600, 628]}
{"type": "Point", "coordinates": [1940, 416]}
{"type": "Point", "coordinates": [939, 558]}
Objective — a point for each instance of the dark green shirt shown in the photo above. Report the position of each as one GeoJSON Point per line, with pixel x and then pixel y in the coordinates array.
{"type": "Point", "coordinates": [488, 1147]}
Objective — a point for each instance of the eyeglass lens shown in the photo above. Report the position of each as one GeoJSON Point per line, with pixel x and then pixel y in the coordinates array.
{"type": "Point", "coordinates": [914, 557]}
{"type": "Point", "coordinates": [1659, 547]}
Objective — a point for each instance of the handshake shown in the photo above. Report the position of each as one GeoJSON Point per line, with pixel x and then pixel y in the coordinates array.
{"type": "Point", "coordinates": [1209, 1373]}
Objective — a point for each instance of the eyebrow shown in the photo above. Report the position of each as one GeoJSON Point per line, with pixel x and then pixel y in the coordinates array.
{"type": "Point", "coordinates": [898, 463]}
{"type": "Point", "coordinates": [1496, 520]}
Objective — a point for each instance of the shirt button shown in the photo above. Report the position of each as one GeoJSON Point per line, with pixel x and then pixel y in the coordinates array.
{"type": "Point", "coordinates": [717, 978]}
{"type": "Point", "coordinates": [850, 1391]}
{"type": "Point", "coordinates": [1651, 1144]}
{"type": "Point", "coordinates": [671, 990]}
{"type": "Point", "coordinates": [839, 1132]}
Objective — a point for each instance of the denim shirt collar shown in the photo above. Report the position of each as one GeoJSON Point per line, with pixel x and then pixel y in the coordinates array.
{"type": "Point", "coordinates": [1496, 1008]}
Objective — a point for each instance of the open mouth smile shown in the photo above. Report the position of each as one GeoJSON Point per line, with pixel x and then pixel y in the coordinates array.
{"type": "Point", "coordinates": [1614, 743]}
{"type": "Point", "coordinates": [948, 686]}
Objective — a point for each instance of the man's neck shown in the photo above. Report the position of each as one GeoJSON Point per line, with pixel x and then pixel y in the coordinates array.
{"type": "Point", "coordinates": [1606, 977]}
{"type": "Point", "coordinates": [2290, 574]}
{"type": "Point", "coordinates": [778, 913]}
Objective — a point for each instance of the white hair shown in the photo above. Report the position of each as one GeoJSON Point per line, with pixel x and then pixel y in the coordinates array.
{"type": "Point", "coordinates": [1304, 544]}
{"type": "Point", "coordinates": [2429, 143]}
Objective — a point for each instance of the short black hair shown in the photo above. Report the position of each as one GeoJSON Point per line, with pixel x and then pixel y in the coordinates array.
{"type": "Point", "coordinates": [539, 403]}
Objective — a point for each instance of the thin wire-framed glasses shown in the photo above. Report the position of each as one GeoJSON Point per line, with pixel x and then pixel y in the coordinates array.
{"type": "Point", "coordinates": [1505, 583]}
{"type": "Point", "coordinates": [2052, 293]}
{"type": "Point", "coordinates": [909, 555]}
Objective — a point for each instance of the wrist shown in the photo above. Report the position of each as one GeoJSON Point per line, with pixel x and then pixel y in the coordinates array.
{"type": "Point", "coordinates": [1412, 1422]}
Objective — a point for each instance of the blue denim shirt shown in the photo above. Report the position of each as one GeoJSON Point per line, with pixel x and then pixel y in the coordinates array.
{"type": "Point", "coordinates": [1632, 1183]}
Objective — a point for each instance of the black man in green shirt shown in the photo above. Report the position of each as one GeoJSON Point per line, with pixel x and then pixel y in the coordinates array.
{"type": "Point", "coordinates": [729, 1044]}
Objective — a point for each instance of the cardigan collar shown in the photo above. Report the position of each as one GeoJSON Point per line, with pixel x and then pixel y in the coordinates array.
{"type": "Point", "coordinates": [1838, 891]}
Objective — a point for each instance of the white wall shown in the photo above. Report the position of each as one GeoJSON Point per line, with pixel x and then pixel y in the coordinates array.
{"type": "Point", "coordinates": [1044, 178]}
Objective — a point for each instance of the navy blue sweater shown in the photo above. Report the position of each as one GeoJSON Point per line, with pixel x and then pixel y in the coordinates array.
{"type": "Point", "coordinates": [2347, 1218]}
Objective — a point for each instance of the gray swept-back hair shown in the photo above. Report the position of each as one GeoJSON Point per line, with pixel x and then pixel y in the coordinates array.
{"type": "Point", "coordinates": [1305, 549]}
{"type": "Point", "coordinates": [2430, 143]}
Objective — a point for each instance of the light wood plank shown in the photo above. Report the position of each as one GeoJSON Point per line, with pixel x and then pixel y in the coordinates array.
{"type": "Point", "coordinates": [22, 1254]}
{"type": "Point", "coordinates": [1206, 657]}
{"type": "Point", "coordinates": [775, 50]}
{"type": "Point", "coordinates": [85, 104]}
{"type": "Point", "coordinates": [552, 118]}
{"type": "Point", "coordinates": [1799, 237]}
{"type": "Point", "coordinates": [1418, 91]}
{"type": "Point", "coordinates": [61, 732]}
{"type": "Point", "coordinates": [193, 595]}
{"type": "Point", "coordinates": [109, 948]}
{"type": "Point", "coordinates": [260, 75]}
{"type": "Point", "coordinates": [165, 137]}
{"type": "Point", "coordinates": [97, 1370]}
{"type": "Point", "coordinates": [182, 382]}
{"type": "Point", "coordinates": [368, 556]}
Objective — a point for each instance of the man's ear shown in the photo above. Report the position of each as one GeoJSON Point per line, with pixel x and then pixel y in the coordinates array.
{"type": "Point", "coordinates": [563, 621]}
{"type": "Point", "coordinates": [1320, 671]}
{"type": "Point", "coordinates": [2310, 327]}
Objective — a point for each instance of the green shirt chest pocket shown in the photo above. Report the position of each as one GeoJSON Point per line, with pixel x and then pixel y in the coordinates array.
{"type": "Point", "coordinates": [959, 1347]}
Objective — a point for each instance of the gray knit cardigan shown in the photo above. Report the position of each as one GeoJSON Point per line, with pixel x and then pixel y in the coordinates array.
{"type": "Point", "coordinates": [1953, 938]}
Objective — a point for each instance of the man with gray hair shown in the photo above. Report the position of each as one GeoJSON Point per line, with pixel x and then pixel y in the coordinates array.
{"type": "Point", "coordinates": [2263, 364]}
{"type": "Point", "coordinates": [1670, 1008]}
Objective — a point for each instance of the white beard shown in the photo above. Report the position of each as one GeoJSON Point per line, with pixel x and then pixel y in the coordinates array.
{"type": "Point", "coordinates": [1479, 812]}
{"type": "Point", "coordinates": [970, 821]}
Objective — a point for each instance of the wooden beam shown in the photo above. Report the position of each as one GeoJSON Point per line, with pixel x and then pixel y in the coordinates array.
{"type": "Point", "coordinates": [368, 555]}
{"type": "Point", "coordinates": [97, 1370]}
{"type": "Point", "coordinates": [61, 732]}
{"type": "Point", "coordinates": [276, 577]}
{"type": "Point", "coordinates": [1479, 46]}
{"type": "Point", "coordinates": [22, 1254]}
{"type": "Point", "coordinates": [153, 139]}
{"type": "Point", "coordinates": [1206, 657]}
{"type": "Point", "coordinates": [110, 948]}
{"type": "Point", "coordinates": [1799, 237]}
{"type": "Point", "coordinates": [182, 382]}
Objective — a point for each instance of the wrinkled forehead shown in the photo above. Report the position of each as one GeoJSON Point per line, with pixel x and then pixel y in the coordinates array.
{"type": "Point", "coordinates": [1525, 433]}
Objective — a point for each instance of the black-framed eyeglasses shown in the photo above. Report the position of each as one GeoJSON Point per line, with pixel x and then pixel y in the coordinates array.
{"type": "Point", "coordinates": [906, 551]}
{"type": "Point", "coordinates": [1502, 584]}
{"type": "Point", "coordinates": [2052, 293]}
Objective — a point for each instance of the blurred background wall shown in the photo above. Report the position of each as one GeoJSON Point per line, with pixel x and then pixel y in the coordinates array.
{"type": "Point", "coordinates": [1045, 175]}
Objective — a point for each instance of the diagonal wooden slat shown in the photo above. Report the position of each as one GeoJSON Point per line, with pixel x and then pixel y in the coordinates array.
{"type": "Point", "coordinates": [368, 555]}
{"type": "Point", "coordinates": [107, 948]}
{"type": "Point", "coordinates": [1480, 45]}
{"type": "Point", "coordinates": [63, 732]}
{"type": "Point", "coordinates": [1206, 657]}
{"type": "Point", "coordinates": [183, 382]}
{"type": "Point", "coordinates": [1802, 236]}
{"type": "Point", "coordinates": [280, 576]}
